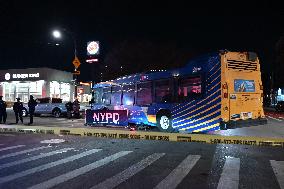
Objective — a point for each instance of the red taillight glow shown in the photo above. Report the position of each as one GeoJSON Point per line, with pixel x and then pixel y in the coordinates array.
{"type": "Point", "coordinates": [225, 95]}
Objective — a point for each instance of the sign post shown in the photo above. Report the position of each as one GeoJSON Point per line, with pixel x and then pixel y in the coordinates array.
{"type": "Point", "coordinates": [76, 62]}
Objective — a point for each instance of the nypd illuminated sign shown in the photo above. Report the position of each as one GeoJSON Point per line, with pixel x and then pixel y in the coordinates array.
{"type": "Point", "coordinates": [109, 117]}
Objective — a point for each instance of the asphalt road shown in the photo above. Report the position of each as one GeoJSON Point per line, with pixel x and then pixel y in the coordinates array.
{"type": "Point", "coordinates": [45, 120]}
{"type": "Point", "coordinates": [89, 162]}
{"type": "Point", "coordinates": [274, 128]}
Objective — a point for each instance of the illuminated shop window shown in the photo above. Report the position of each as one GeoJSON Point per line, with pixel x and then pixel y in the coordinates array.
{"type": "Point", "coordinates": [60, 90]}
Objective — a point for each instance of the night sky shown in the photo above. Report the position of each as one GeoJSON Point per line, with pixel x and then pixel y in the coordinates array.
{"type": "Point", "coordinates": [141, 33]}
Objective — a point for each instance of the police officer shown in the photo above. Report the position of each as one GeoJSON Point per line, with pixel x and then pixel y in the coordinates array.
{"type": "Point", "coordinates": [3, 113]}
{"type": "Point", "coordinates": [76, 108]}
{"type": "Point", "coordinates": [69, 108]}
{"type": "Point", "coordinates": [18, 109]}
{"type": "Point", "coordinates": [32, 104]}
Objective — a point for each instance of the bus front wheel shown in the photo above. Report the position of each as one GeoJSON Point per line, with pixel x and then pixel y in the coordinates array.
{"type": "Point", "coordinates": [164, 121]}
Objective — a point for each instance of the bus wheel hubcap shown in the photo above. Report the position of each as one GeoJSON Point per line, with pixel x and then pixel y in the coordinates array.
{"type": "Point", "coordinates": [165, 122]}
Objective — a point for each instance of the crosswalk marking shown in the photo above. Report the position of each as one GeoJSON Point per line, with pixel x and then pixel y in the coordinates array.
{"type": "Point", "coordinates": [278, 168]}
{"type": "Point", "coordinates": [23, 152]}
{"type": "Point", "coordinates": [230, 175]}
{"type": "Point", "coordinates": [11, 147]}
{"type": "Point", "coordinates": [72, 174]}
{"type": "Point", "coordinates": [34, 158]}
{"type": "Point", "coordinates": [178, 174]}
{"type": "Point", "coordinates": [129, 172]}
{"type": "Point", "coordinates": [46, 166]}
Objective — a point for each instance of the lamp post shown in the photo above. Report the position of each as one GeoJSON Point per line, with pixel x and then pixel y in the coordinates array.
{"type": "Point", "coordinates": [57, 34]}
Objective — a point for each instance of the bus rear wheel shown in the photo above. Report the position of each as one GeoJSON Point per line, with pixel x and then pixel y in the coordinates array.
{"type": "Point", "coordinates": [164, 122]}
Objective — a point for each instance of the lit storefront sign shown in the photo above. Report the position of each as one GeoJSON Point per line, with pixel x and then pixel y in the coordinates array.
{"type": "Point", "coordinates": [93, 48]}
{"type": "Point", "coordinates": [21, 76]}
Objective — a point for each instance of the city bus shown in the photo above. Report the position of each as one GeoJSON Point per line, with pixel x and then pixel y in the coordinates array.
{"type": "Point", "coordinates": [221, 90]}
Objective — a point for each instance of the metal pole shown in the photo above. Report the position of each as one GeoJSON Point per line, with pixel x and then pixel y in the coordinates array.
{"type": "Point", "coordinates": [75, 55]}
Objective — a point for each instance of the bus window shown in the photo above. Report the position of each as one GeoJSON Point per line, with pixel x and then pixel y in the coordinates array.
{"type": "Point", "coordinates": [189, 87]}
{"type": "Point", "coordinates": [97, 95]}
{"type": "Point", "coordinates": [162, 91]}
{"type": "Point", "coordinates": [128, 94]}
{"type": "Point", "coordinates": [116, 95]}
{"type": "Point", "coordinates": [106, 95]}
{"type": "Point", "coordinates": [144, 93]}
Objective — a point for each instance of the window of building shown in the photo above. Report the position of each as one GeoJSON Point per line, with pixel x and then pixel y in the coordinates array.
{"type": "Point", "coordinates": [116, 95]}
{"type": "Point", "coordinates": [144, 93]}
{"type": "Point", "coordinates": [163, 91]}
{"type": "Point", "coordinates": [189, 87]}
{"type": "Point", "coordinates": [128, 94]}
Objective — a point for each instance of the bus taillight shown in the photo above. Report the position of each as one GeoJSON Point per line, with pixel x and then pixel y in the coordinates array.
{"type": "Point", "coordinates": [225, 95]}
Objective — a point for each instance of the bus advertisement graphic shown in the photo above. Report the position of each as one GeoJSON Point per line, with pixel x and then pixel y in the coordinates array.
{"type": "Point", "coordinates": [242, 85]}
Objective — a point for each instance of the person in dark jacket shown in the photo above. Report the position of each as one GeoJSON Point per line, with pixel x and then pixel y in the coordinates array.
{"type": "Point", "coordinates": [3, 113]}
{"type": "Point", "coordinates": [32, 104]}
{"type": "Point", "coordinates": [76, 108]}
{"type": "Point", "coordinates": [18, 109]}
{"type": "Point", "coordinates": [69, 108]}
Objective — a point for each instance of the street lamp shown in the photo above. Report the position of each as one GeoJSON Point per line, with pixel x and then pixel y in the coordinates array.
{"type": "Point", "coordinates": [57, 34]}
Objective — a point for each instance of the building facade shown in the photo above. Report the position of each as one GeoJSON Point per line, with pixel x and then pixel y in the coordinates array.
{"type": "Point", "coordinates": [39, 82]}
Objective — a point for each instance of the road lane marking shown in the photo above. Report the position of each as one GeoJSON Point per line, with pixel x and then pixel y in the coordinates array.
{"type": "Point", "coordinates": [46, 166]}
{"type": "Point", "coordinates": [34, 158]}
{"type": "Point", "coordinates": [230, 175]}
{"type": "Point", "coordinates": [178, 174]}
{"type": "Point", "coordinates": [77, 172]}
{"type": "Point", "coordinates": [129, 172]}
{"type": "Point", "coordinates": [11, 147]}
{"type": "Point", "coordinates": [274, 118]}
{"type": "Point", "coordinates": [278, 168]}
{"type": "Point", "coordinates": [23, 152]}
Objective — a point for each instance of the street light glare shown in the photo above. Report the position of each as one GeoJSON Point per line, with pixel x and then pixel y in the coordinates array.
{"type": "Point", "coordinates": [56, 34]}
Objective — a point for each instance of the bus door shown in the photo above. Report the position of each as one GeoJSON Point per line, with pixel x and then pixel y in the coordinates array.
{"type": "Point", "coordinates": [244, 102]}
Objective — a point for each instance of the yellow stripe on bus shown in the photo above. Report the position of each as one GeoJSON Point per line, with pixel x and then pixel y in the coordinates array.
{"type": "Point", "coordinates": [206, 128]}
{"type": "Point", "coordinates": [205, 122]}
{"type": "Point", "coordinates": [197, 125]}
{"type": "Point", "coordinates": [195, 110]}
{"type": "Point", "coordinates": [196, 103]}
{"type": "Point", "coordinates": [195, 100]}
{"type": "Point", "coordinates": [212, 75]}
{"type": "Point", "coordinates": [188, 118]}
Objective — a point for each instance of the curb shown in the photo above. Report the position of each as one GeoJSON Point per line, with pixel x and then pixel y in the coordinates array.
{"type": "Point", "coordinates": [142, 135]}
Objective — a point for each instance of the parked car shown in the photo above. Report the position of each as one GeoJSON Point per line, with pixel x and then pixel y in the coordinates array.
{"type": "Point", "coordinates": [279, 106]}
{"type": "Point", "coordinates": [53, 106]}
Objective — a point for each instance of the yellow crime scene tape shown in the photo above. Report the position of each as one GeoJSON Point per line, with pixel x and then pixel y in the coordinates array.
{"type": "Point", "coordinates": [145, 135]}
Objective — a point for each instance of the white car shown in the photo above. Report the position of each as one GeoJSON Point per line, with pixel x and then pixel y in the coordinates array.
{"type": "Point", "coordinates": [53, 106]}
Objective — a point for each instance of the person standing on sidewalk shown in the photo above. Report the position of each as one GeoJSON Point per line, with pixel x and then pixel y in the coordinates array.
{"type": "Point", "coordinates": [32, 104]}
{"type": "Point", "coordinates": [18, 109]}
{"type": "Point", "coordinates": [76, 108]}
{"type": "Point", "coordinates": [3, 113]}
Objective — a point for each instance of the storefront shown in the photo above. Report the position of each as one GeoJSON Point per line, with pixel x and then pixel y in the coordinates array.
{"type": "Point", "coordinates": [39, 82]}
